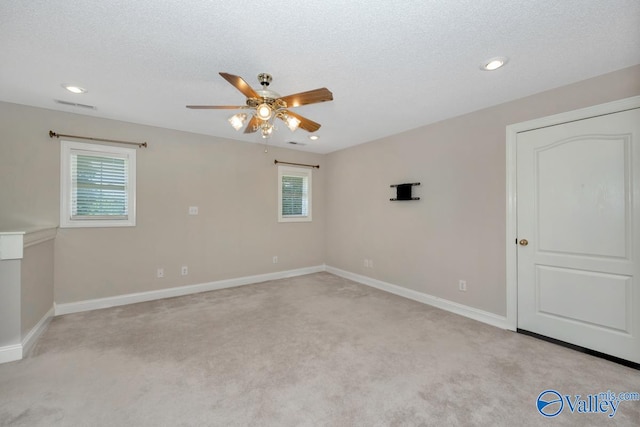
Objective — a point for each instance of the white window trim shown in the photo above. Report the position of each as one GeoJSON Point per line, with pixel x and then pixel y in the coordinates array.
{"type": "Point", "coordinates": [294, 171]}
{"type": "Point", "coordinates": [66, 221]}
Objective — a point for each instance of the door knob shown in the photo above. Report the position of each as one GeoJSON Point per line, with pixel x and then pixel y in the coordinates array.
{"type": "Point", "coordinates": [524, 242]}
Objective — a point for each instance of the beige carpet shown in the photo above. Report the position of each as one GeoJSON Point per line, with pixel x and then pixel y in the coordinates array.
{"type": "Point", "coordinates": [315, 350]}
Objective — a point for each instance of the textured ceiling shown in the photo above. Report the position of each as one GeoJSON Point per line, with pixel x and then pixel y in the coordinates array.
{"type": "Point", "coordinates": [391, 65]}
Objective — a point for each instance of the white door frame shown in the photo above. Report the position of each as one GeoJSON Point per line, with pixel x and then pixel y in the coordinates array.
{"type": "Point", "coordinates": [512, 224]}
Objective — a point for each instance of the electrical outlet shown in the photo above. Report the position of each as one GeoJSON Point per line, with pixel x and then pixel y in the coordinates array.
{"type": "Point", "coordinates": [366, 263]}
{"type": "Point", "coordinates": [370, 263]}
{"type": "Point", "coordinates": [184, 270]}
{"type": "Point", "coordinates": [462, 286]}
{"type": "Point", "coordinates": [275, 259]}
{"type": "Point", "coordinates": [160, 273]}
{"type": "Point", "coordinates": [193, 210]}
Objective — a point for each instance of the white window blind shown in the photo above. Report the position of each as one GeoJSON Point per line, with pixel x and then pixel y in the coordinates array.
{"type": "Point", "coordinates": [294, 194]}
{"type": "Point", "coordinates": [99, 186]}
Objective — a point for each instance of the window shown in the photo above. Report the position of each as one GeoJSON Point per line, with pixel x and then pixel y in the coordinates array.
{"type": "Point", "coordinates": [294, 194]}
{"type": "Point", "coordinates": [97, 185]}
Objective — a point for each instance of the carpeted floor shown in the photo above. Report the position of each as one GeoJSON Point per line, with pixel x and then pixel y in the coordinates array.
{"type": "Point", "coordinates": [314, 350]}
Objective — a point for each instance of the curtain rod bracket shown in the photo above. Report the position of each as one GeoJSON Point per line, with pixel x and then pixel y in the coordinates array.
{"type": "Point", "coordinates": [53, 134]}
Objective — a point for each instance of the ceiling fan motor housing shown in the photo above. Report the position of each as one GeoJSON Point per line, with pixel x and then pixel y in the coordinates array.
{"type": "Point", "coordinates": [268, 97]}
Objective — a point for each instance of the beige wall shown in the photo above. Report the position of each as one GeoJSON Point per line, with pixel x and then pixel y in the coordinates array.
{"type": "Point", "coordinates": [36, 284]}
{"type": "Point", "coordinates": [457, 230]}
{"type": "Point", "coordinates": [29, 167]}
{"type": "Point", "coordinates": [234, 185]}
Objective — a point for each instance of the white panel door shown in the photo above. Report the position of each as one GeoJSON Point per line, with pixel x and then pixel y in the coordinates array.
{"type": "Point", "coordinates": [578, 213]}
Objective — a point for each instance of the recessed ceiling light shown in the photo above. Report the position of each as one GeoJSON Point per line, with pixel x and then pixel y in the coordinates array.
{"type": "Point", "coordinates": [73, 88]}
{"type": "Point", "coordinates": [494, 63]}
{"type": "Point", "coordinates": [313, 137]}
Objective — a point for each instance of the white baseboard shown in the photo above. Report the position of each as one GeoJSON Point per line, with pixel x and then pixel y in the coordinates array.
{"type": "Point", "coordinates": [15, 352]}
{"type": "Point", "coordinates": [10, 353]}
{"type": "Point", "coordinates": [454, 307]}
{"type": "Point", "coordinates": [94, 304]}
{"type": "Point", "coordinates": [30, 339]}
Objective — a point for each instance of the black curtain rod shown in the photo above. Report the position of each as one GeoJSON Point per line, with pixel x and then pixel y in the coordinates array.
{"type": "Point", "coordinates": [53, 134]}
{"type": "Point", "coordinates": [297, 164]}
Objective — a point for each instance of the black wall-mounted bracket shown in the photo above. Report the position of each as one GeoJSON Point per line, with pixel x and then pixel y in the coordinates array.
{"type": "Point", "coordinates": [403, 191]}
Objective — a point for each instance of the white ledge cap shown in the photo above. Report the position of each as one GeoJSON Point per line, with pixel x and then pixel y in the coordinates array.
{"type": "Point", "coordinates": [12, 243]}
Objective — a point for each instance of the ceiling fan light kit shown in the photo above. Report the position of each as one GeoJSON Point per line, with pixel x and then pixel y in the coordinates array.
{"type": "Point", "coordinates": [263, 111]}
{"type": "Point", "coordinates": [292, 123]}
{"type": "Point", "coordinates": [268, 105]}
{"type": "Point", "coordinates": [237, 120]}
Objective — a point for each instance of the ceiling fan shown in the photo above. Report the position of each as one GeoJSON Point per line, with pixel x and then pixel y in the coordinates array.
{"type": "Point", "coordinates": [267, 105]}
